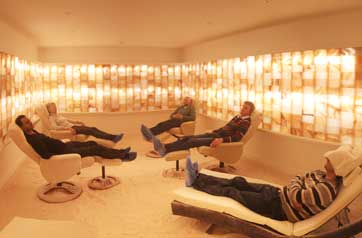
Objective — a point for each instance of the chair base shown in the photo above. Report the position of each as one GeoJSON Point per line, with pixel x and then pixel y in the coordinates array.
{"type": "Point", "coordinates": [174, 173]}
{"type": "Point", "coordinates": [102, 183]}
{"type": "Point", "coordinates": [60, 192]}
{"type": "Point", "coordinates": [153, 154]}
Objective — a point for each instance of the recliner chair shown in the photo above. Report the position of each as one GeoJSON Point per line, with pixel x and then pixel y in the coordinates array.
{"type": "Point", "coordinates": [42, 111]}
{"type": "Point", "coordinates": [231, 152]}
{"type": "Point", "coordinates": [59, 168]}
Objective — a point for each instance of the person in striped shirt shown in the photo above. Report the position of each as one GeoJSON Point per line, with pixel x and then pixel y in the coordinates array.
{"type": "Point", "coordinates": [302, 198]}
{"type": "Point", "coordinates": [233, 131]}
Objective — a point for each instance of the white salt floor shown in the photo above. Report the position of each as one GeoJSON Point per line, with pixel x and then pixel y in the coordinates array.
{"type": "Point", "coordinates": [138, 207]}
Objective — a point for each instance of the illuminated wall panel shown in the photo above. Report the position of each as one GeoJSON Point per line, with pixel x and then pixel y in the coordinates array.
{"type": "Point", "coordinates": [315, 93]}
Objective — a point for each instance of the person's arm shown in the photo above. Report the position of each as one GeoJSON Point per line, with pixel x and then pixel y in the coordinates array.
{"type": "Point", "coordinates": [54, 125]}
{"type": "Point", "coordinates": [295, 187]}
{"type": "Point", "coordinates": [174, 113]}
{"type": "Point", "coordinates": [40, 147]}
{"type": "Point", "coordinates": [191, 116]}
{"type": "Point", "coordinates": [76, 122]}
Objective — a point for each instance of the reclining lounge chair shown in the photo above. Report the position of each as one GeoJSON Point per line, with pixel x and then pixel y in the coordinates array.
{"type": "Point", "coordinates": [231, 152]}
{"type": "Point", "coordinates": [225, 153]}
{"type": "Point", "coordinates": [230, 214]}
{"type": "Point", "coordinates": [60, 168]}
{"type": "Point", "coordinates": [42, 111]}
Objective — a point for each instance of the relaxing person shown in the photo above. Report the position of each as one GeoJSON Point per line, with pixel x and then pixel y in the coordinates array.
{"type": "Point", "coordinates": [302, 198]}
{"type": "Point", "coordinates": [233, 131]}
{"type": "Point", "coordinates": [47, 147]}
{"type": "Point", "coordinates": [184, 113]}
{"type": "Point", "coordinates": [58, 122]}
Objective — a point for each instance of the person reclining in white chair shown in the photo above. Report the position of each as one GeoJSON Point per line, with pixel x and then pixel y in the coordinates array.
{"type": "Point", "coordinates": [184, 113]}
{"type": "Point", "coordinates": [233, 131]}
{"type": "Point", "coordinates": [302, 198]}
{"type": "Point", "coordinates": [58, 122]}
{"type": "Point", "coordinates": [46, 146]}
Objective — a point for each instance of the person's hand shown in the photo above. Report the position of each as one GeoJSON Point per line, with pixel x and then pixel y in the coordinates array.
{"type": "Point", "coordinates": [72, 131]}
{"type": "Point", "coordinates": [177, 116]}
{"type": "Point", "coordinates": [216, 142]}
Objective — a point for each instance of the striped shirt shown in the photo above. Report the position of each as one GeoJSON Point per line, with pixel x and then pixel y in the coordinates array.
{"type": "Point", "coordinates": [308, 195]}
{"type": "Point", "coordinates": [235, 129]}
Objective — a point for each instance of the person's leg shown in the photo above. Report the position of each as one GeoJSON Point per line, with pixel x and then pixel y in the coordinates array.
{"type": "Point", "coordinates": [264, 203]}
{"type": "Point", "coordinates": [91, 148]}
{"type": "Point", "coordinates": [165, 126]}
{"type": "Point", "coordinates": [93, 131]}
{"type": "Point", "coordinates": [187, 143]}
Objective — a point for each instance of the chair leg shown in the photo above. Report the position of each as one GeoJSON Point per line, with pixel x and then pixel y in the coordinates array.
{"type": "Point", "coordinates": [177, 165]}
{"type": "Point", "coordinates": [104, 181]}
{"type": "Point", "coordinates": [221, 165]}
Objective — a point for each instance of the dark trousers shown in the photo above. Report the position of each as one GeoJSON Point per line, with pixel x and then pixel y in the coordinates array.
{"type": "Point", "coordinates": [93, 131]}
{"type": "Point", "coordinates": [188, 142]}
{"type": "Point", "coordinates": [260, 198]}
{"type": "Point", "coordinates": [165, 126]}
{"type": "Point", "coordinates": [91, 148]}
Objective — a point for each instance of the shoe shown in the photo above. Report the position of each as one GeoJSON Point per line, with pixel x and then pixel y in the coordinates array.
{"type": "Point", "coordinates": [146, 133]}
{"type": "Point", "coordinates": [159, 147]}
{"type": "Point", "coordinates": [126, 150]}
{"type": "Point", "coordinates": [118, 138]}
{"type": "Point", "coordinates": [191, 172]}
{"type": "Point", "coordinates": [130, 156]}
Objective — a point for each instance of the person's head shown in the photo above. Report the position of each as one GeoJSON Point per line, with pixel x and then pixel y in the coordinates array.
{"type": "Point", "coordinates": [187, 101]}
{"type": "Point", "coordinates": [24, 123]}
{"type": "Point", "coordinates": [52, 108]}
{"type": "Point", "coordinates": [247, 108]}
{"type": "Point", "coordinates": [340, 162]}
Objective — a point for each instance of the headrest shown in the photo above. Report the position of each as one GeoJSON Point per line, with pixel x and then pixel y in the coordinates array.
{"type": "Point", "coordinates": [255, 118]}
{"type": "Point", "coordinates": [344, 159]}
{"type": "Point", "coordinates": [16, 134]}
{"type": "Point", "coordinates": [42, 111]}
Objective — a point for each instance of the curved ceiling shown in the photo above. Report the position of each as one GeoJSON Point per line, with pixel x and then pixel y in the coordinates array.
{"type": "Point", "coordinates": [153, 23]}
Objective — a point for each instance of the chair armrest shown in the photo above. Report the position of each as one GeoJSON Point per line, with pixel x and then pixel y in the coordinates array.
{"type": "Point", "coordinates": [60, 167]}
{"type": "Point", "coordinates": [225, 152]}
{"type": "Point", "coordinates": [188, 128]}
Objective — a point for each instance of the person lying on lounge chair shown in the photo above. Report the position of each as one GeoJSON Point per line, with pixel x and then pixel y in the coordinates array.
{"type": "Point", "coordinates": [233, 131]}
{"type": "Point", "coordinates": [302, 198]}
{"type": "Point", "coordinates": [47, 147]}
{"type": "Point", "coordinates": [58, 122]}
{"type": "Point", "coordinates": [184, 113]}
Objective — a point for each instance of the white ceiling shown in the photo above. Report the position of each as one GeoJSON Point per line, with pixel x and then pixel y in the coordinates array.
{"type": "Point", "coordinates": [156, 23]}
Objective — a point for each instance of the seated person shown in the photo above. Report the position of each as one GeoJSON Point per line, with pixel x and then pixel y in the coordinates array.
{"type": "Point", "coordinates": [184, 113]}
{"type": "Point", "coordinates": [302, 198]}
{"type": "Point", "coordinates": [58, 122]}
{"type": "Point", "coordinates": [233, 131]}
{"type": "Point", "coordinates": [47, 147]}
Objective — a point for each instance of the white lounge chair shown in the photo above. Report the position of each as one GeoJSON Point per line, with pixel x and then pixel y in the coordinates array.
{"type": "Point", "coordinates": [59, 168]}
{"type": "Point", "coordinates": [231, 214]}
{"type": "Point", "coordinates": [42, 111]}
{"type": "Point", "coordinates": [225, 153]}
